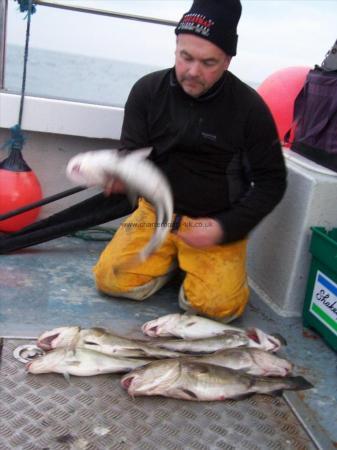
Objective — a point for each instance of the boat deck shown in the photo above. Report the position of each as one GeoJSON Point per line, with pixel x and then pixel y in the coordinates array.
{"type": "Point", "coordinates": [51, 285]}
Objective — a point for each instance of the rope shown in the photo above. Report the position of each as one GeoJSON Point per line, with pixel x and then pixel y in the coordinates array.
{"type": "Point", "coordinates": [17, 139]}
{"type": "Point", "coordinates": [95, 234]}
{"type": "Point", "coordinates": [26, 5]}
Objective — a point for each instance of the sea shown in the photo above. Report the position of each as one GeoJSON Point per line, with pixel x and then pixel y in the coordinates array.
{"type": "Point", "coordinates": [71, 76]}
{"type": "Point", "coordinates": [74, 77]}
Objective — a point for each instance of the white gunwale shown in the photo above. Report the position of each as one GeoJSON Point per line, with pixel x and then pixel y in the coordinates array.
{"type": "Point", "coordinates": [46, 115]}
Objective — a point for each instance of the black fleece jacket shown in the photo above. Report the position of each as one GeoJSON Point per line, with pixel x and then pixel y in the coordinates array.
{"type": "Point", "coordinates": [220, 151]}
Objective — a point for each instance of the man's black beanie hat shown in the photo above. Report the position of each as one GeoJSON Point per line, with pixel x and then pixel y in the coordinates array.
{"type": "Point", "coordinates": [214, 20]}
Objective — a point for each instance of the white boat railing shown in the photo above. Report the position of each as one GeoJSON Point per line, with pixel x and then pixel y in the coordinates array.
{"type": "Point", "coordinates": [69, 117]}
{"type": "Point", "coordinates": [103, 12]}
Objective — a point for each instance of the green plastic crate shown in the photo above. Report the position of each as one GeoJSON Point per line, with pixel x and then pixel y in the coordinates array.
{"type": "Point", "coordinates": [320, 304]}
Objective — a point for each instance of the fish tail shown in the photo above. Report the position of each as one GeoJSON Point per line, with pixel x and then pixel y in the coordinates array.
{"type": "Point", "coordinates": [275, 385]}
{"type": "Point", "coordinates": [157, 236]}
{"type": "Point", "coordinates": [298, 383]}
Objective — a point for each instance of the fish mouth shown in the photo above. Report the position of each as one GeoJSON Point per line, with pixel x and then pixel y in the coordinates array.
{"type": "Point", "coordinates": [253, 335]}
{"type": "Point", "coordinates": [277, 341]}
{"type": "Point", "coordinates": [76, 169]}
{"type": "Point", "coordinates": [260, 338]}
{"type": "Point", "coordinates": [152, 331]}
{"type": "Point", "coordinates": [46, 343]}
{"type": "Point", "coordinates": [287, 371]}
{"type": "Point", "coordinates": [275, 345]}
{"type": "Point", "coordinates": [126, 382]}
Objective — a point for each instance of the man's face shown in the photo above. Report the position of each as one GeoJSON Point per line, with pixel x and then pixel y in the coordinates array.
{"type": "Point", "coordinates": [198, 64]}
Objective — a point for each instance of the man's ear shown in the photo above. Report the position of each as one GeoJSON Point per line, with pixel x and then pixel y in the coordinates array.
{"type": "Point", "coordinates": [228, 60]}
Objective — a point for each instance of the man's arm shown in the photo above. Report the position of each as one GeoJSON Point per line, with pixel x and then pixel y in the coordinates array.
{"type": "Point", "coordinates": [135, 128]}
{"type": "Point", "coordinates": [268, 176]}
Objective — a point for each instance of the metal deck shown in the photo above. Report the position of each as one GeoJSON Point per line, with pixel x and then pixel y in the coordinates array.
{"type": "Point", "coordinates": [51, 285]}
{"type": "Point", "coordinates": [95, 413]}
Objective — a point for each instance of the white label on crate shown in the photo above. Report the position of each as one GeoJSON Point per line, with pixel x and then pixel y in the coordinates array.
{"type": "Point", "coordinates": [324, 301]}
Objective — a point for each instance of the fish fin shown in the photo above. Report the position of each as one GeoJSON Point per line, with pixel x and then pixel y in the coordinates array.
{"type": "Point", "coordinates": [132, 197]}
{"type": "Point", "coordinates": [277, 393]}
{"type": "Point", "coordinates": [72, 347]}
{"type": "Point", "coordinates": [139, 154]}
{"type": "Point", "coordinates": [66, 376]}
{"type": "Point", "coordinates": [243, 371]}
{"type": "Point", "coordinates": [190, 394]}
{"type": "Point", "coordinates": [280, 338]}
{"type": "Point", "coordinates": [242, 396]}
{"type": "Point", "coordinates": [99, 329]}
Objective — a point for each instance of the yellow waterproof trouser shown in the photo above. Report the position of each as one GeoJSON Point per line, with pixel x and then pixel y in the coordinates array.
{"type": "Point", "coordinates": [215, 284]}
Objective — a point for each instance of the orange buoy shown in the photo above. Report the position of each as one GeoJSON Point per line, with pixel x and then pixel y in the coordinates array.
{"type": "Point", "coordinates": [19, 187]}
{"type": "Point", "coordinates": [279, 91]}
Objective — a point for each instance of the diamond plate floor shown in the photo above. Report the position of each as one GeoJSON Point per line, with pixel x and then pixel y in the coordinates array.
{"type": "Point", "coordinates": [51, 285]}
{"type": "Point", "coordinates": [45, 412]}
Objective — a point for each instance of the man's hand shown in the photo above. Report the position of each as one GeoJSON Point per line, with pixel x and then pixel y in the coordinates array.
{"type": "Point", "coordinates": [201, 233]}
{"type": "Point", "coordinates": [114, 186]}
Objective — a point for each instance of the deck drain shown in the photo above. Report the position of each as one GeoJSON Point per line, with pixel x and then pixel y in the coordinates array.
{"type": "Point", "coordinates": [26, 353]}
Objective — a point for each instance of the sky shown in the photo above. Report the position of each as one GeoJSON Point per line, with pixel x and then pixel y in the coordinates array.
{"type": "Point", "coordinates": [273, 34]}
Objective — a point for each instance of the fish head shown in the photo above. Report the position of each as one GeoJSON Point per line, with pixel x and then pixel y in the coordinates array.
{"type": "Point", "coordinates": [260, 339]}
{"type": "Point", "coordinates": [161, 326]}
{"type": "Point", "coordinates": [271, 364]}
{"type": "Point", "coordinates": [152, 379]}
{"type": "Point", "coordinates": [93, 168]}
{"type": "Point", "coordinates": [58, 337]}
{"type": "Point", "coordinates": [47, 362]}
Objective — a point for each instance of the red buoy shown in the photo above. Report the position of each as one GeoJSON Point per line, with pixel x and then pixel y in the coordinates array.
{"type": "Point", "coordinates": [19, 187]}
{"type": "Point", "coordinates": [279, 91]}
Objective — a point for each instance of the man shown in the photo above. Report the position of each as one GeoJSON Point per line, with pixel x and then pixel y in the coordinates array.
{"type": "Point", "coordinates": [215, 140]}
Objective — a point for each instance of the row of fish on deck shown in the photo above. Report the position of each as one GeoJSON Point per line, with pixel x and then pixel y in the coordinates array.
{"type": "Point", "coordinates": [185, 356]}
